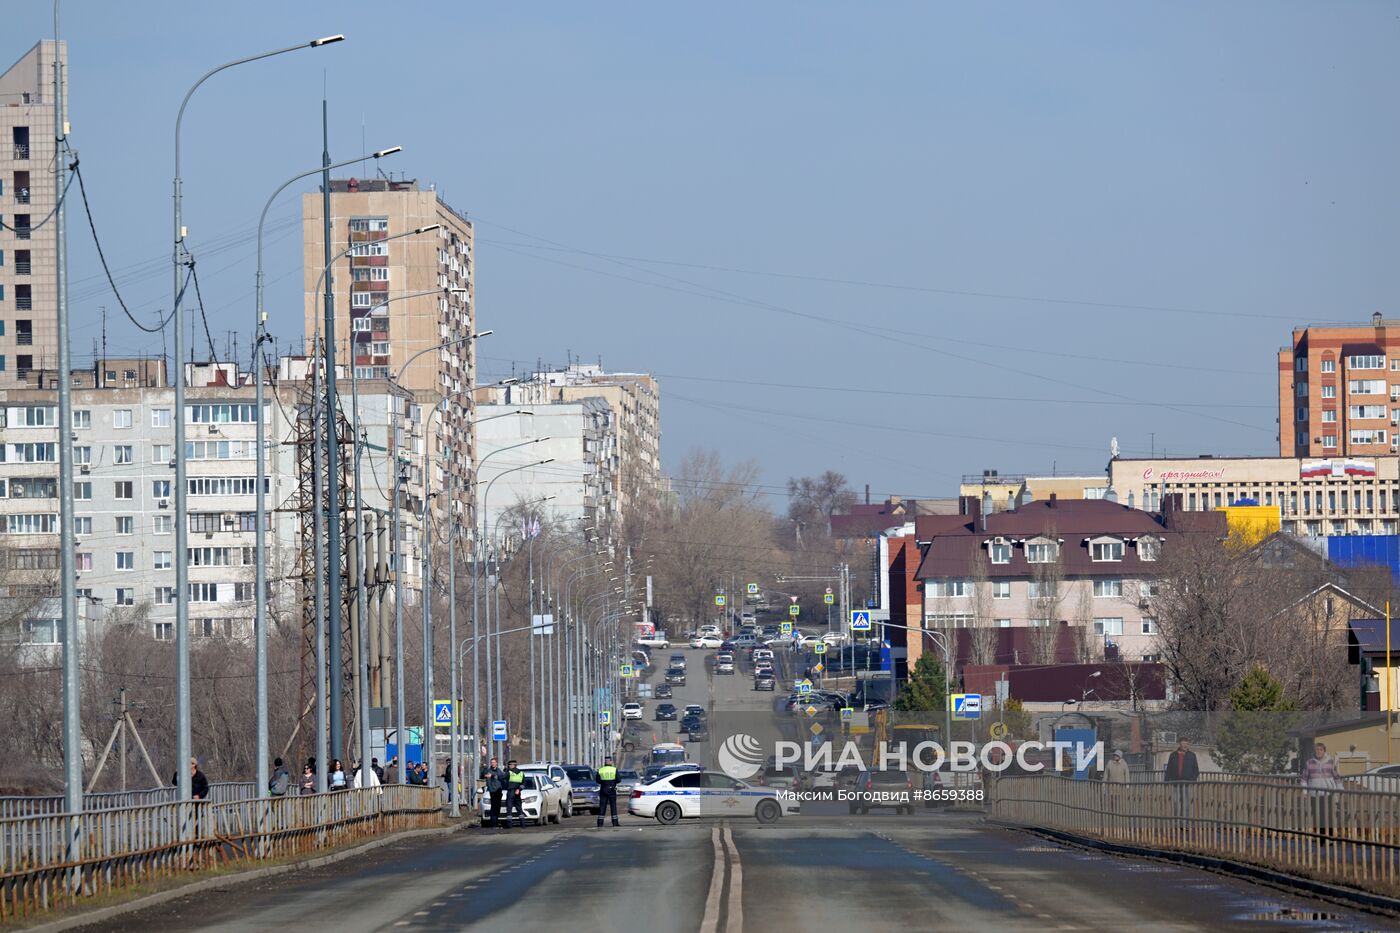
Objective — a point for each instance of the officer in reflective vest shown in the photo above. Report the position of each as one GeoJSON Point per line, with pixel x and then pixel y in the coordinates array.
{"type": "Point", "coordinates": [606, 777]}
{"type": "Point", "coordinates": [515, 785]}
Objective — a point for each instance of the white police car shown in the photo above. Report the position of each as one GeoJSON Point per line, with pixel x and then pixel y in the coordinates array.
{"type": "Point", "coordinates": [696, 794]}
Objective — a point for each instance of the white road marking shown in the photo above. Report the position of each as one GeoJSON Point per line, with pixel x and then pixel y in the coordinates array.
{"type": "Point", "coordinates": [735, 921]}
{"type": "Point", "coordinates": [710, 923]}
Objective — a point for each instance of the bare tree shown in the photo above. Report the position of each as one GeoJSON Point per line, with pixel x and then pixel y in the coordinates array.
{"type": "Point", "coordinates": [983, 643]}
{"type": "Point", "coordinates": [1047, 578]}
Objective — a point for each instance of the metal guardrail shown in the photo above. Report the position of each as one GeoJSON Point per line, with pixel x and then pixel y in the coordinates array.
{"type": "Point", "coordinates": [129, 845]}
{"type": "Point", "coordinates": [18, 807]}
{"type": "Point", "coordinates": [1345, 836]}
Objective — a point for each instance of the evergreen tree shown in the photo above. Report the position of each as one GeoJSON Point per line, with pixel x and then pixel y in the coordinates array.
{"type": "Point", "coordinates": [925, 690]}
{"type": "Point", "coordinates": [1255, 733]}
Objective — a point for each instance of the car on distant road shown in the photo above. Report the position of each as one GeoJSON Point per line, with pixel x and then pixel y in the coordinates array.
{"type": "Point", "coordinates": [699, 794]}
{"type": "Point", "coordinates": [540, 799]}
{"type": "Point", "coordinates": [661, 691]}
{"type": "Point", "coordinates": [657, 640]}
{"type": "Point", "coordinates": [762, 654]}
{"type": "Point", "coordinates": [666, 711]}
{"type": "Point", "coordinates": [696, 730]}
{"type": "Point", "coordinates": [888, 789]}
{"type": "Point", "coordinates": [627, 778]}
{"type": "Point", "coordinates": [835, 638]}
{"type": "Point", "coordinates": [675, 676]}
{"type": "Point", "coordinates": [585, 786]}
{"type": "Point", "coordinates": [677, 660]}
{"type": "Point", "coordinates": [728, 646]}
{"type": "Point", "coordinates": [774, 775]}
{"type": "Point", "coordinates": [724, 664]}
{"type": "Point", "coordinates": [695, 709]}
{"type": "Point", "coordinates": [706, 641]}
{"type": "Point", "coordinates": [747, 618]}
{"type": "Point", "coordinates": [631, 711]}
{"type": "Point", "coordinates": [764, 680]}
{"type": "Point", "coordinates": [745, 640]}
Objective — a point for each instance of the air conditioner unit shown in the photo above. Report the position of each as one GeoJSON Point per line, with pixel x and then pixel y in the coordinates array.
{"type": "Point", "coordinates": [16, 492]}
{"type": "Point", "coordinates": [209, 535]}
{"type": "Point", "coordinates": [163, 504]}
{"type": "Point", "coordinates": [1164, 738]}
{"type": "Point", "coordinates": [85, 469]}
{"type": "Point", "coordinates": [172, 463]}
{"type": "Point", "coordinates": [213, 429]}
{"type": "Point", "coordinates": [1143, 603]}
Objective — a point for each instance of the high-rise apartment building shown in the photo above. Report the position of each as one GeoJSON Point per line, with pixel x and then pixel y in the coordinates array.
{"type": "Point", "coordinates": [28, 245]}
{"type": "Point", "coordinates": [395, 298]}
{"type": "Point", "coordinates": [635, 399]}
{"type": "Point", "coordinates": [1339, 390]}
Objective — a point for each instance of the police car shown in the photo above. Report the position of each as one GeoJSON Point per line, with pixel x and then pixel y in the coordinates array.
{"type": "Point", "coordinates": [695, 794]}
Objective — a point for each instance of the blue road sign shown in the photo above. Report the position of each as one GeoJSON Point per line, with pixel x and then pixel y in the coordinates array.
{"type": "Point", "coordinates": [442, 714]}
{"type": "Point", "coordinates": [860, 620]}
{"type": "Point", "coordinates": [604, 718]}
{"type": "Point", "coordinates": [819, 648]}
{"type": "Point", "coordinates": [752, 589]}
{"type": "Point", "coordinates": [966, 705]}
{"type": "Point", "coordinates": [499, 731]}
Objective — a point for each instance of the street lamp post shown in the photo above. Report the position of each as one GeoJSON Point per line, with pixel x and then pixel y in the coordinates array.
{"type": "Point", "coordinates": [182, 614]}
{"type": "Point", "coordinates": [940, 640]}
{"type": "Point", "coordinates": [260, 509]}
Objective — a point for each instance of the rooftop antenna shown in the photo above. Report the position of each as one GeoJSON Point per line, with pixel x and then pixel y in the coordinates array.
{"type": "Point", "coordinates": [103, 365]}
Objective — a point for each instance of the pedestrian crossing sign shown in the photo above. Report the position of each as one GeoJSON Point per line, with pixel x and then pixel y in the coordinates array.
{"type": "Point", "coordinates": [604, 718]}
{"type": "Point", "coordinates": [785, 628]}
{"type": "Point", "coordinates": [819, 648]}
{"type": "Point", "coordinates": [804, 686]}
{"type": "Point", "coordinates": [626, 671]}
{"type": "Point", "coordinates": [860, 620]}
{"type": "Point", "coordinates": [720, 600]}
{"type": "Point", "coordinates": [847, 713]}
{"type": "Point", "coordinates": [442, 714]}
{"type": "Point", "coordinates": [828, 599]}
{"type": "Point", "coordinates": [794, 610]}
{"type": "Point", "coordinates": [751, 589]}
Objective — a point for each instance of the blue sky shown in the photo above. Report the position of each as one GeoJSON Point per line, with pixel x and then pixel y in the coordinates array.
{"type": "Point", "coordinates": [903, 241]}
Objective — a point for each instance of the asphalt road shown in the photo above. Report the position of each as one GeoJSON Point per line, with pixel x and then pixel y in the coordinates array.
{"type": "Point", "coordinates": [823, 870]}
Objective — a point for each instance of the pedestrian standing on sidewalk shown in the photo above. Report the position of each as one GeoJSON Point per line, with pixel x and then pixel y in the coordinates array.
{"type": "Point", "coordinates": [1320, 775]}
{"type": "Point", "coordinates": [495, 780]}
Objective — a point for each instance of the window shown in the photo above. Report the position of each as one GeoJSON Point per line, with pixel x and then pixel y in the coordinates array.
{"type": "Point", "coordinates": [1329, 366]}
{"type": "Point", "coordinates": [160, 417]}
{"type": "Point", "coordinates": [162, 560]}
{"type": "Point", "coordinates": [126, 525]}
{"type": "Point", "coordinates": [1329, 441]}
{"type": "Point", "coordinates": [163, 631]}
{"type": "Point", "coordinates": [1042, 589]}
{"type": "Point", "coordinates": [1149, 626]}
{"type": "Point", "coordinates": [948, 620]}
{"type": "Point", "coordinates": [361, 300]}
{"type": "Point", "coordinates": [1040, 623]}
{"type": "Point", "coordinates": [82, 525]}
{"type": "Point", "coordinates": [208, 556]}
{"type": "Point", "coordinates": [162, 453]}
{"type": "Point", "coordinates": [42, 631]}
{"type": "Point", "coordinates": [82, 491]}
{"type": "Point", "coordinates": [224, 413]}
{"type": "Point", "coordinates": [372, 248]}
{"type": "Point", "coordinates": [1001, 589]}
{"type": "Point", "coordinates": [379, 348]}
{"type": "Point", "coordinates": [226, 485]}
{"type": "Point", "coordinates": [1366, 386]}
{"type": "Point", "coordinates": [369, 224]}
{"type": "Point", "coordinates": [220, 450]}
{"type": "Point", "coordinates": [165, 596]}
{"type": "Point", "coordinates": [1302, 415]}
{"type": "Point", "coordinates": [1108, 626]}
{"type": "Point", "coordinates": [1329, 417]}
{"type": "Point", "coordinates": [29, 523]}
{"type": "Point", "coordinates": [1368, 437]}
{"type": "Point", "coordinates": [122, 489]}
{"type": "Point", "coordinates": [999, 553]}
{"type": "Point", "coordinates": [1151, 588]}
{"type": "Point", "coordinates": [1329, 391]}
{"type": "Point", "coordinates": [1106, 550]}
{"type": "Point", "coordinates": [204, 521]}
{"type": "Point", "coordinates": [1003, 623]}
{"type": "Point", "coordinates": [82, 419]}
{"type": "Point", "coordinates": [1110, 588]}
{"type": "Point", "coordinates": [121, 418]}
{"type": "Point", "coordinates": [1369, 361]}
{"type": "Point", "coordinates": [1300, 364]}
{"type": "Point", "coordinates": [1148, 548]}
{"type": "Point", "coordinates": [31, 453]}
{"type": "Point", "coordinates": [126, 560]}
{"type": "Point", "coordinates": [163, 525]}
{"type": "Point", "coordinates": [1366, 411]}
{"type": "Point", "coordinates": [244, 592]}
{"type": "Point", "coordinates": [82, 561]}
{"type": "Point", "coordinates": [124, 596]}
{"type": "Point", "coordinates": [121, 453]}
{"type": "Point", "coordinates": [1301, 390]}
{"type": "Point", "coordinates": [160, 489]}
{"type": "Point", "coordinates": [1042, 552]}
{"type": "Point", "coordinates": [82, 455]}
{"type": "Point", "coordinates": [204, 592]}
{"type": "Point", "coordinates": [32, 416]}
{"type": "Point", "coordinates": [952, 587]}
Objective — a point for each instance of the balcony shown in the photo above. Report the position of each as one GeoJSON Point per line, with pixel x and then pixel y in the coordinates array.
{"type": "Point", "coordinates": [22, 267]}
{"type": "Point", "coordinates": [22, 233]}
{"type": "Point", "coordinates": [24, 303]}
{"type": "Point", "coordinates": [21, 150]}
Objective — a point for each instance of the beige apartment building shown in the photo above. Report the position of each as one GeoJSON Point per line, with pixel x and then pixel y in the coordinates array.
{"type": "Point", "coordinates": [635, 399]}
{"type": "Point", "coordinates": [28, 245]}
{"type": "Point", "coordinates": [397, 297]}
{"type": "Point", "coordinates": [1316, 496]}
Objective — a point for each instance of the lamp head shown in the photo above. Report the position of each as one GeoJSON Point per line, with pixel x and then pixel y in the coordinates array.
{"type": "Point", "coordinates": [388, 152]}
{"type": "Point", "coordinates": [429, 228]}
{"type": "Point", "coordinates": [317, 43]}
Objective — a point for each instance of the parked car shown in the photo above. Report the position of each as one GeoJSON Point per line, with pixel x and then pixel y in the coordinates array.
{"type": "Point", "coordinates": [540, 799]}
{"type": "Point", "coordinates": [696, 794]}
{"type": "Point", "coordinates": [666, 711]}
{"type": "Point", "coordinates": [556, 773]}
{"type": "Point", "coordinates": [881, 789]}
{"type": "Point", "coordinates": [585, 785]}
{"type": "Point", "coordinates": [631, 711]}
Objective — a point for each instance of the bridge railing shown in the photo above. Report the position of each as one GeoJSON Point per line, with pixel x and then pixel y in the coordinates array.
{"type": "Point", "coordinates": [221, 792]}
{"type": "Point", "coordinates": [123, 846]}
{"type": "Point", "coordinates": [1342, 836]}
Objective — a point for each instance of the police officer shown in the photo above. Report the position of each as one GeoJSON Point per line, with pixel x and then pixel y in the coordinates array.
{"type": "Point", "coordinates": [606, 776]}
{"type": "Point", "coordinates": [515, 787]}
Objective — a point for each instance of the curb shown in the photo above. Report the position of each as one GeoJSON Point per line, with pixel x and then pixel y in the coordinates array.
{"type": "Point", "coordinates": [1293, 884]}
{"type": "Point", "coordinates": [253, 874]}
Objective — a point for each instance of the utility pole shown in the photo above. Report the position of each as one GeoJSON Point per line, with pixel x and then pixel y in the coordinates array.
{"type": "Point", "coordinates": [336, 626]}
{"type": "Point", "coordinates": [121, 748]}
